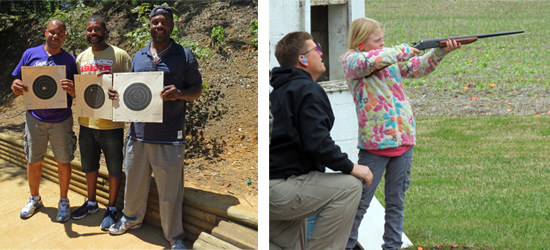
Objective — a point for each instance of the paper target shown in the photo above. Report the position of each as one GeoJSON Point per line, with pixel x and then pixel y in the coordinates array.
{"type": "Point", "coordinates": [138, 96]}
{"type": "Point", "coordinates": [92, 96]}
{"type": "Point", "coordinates": [43, 83]}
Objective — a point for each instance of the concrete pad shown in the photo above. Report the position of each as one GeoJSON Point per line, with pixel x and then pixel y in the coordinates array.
{"type": "Point", "coordinates": [42, 231]}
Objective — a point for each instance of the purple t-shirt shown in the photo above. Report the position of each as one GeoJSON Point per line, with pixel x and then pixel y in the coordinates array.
{"type": "Point", "coordinates": [37, 56]}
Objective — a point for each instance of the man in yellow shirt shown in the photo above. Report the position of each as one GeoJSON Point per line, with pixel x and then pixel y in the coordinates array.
{"type": "Point", "coordinates": [100, 135]}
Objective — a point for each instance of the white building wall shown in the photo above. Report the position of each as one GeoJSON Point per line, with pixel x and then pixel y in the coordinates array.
{"type": "Point", "coordinates": [286, 16]}
{"type": "Point", "coordinates": [345, 129]}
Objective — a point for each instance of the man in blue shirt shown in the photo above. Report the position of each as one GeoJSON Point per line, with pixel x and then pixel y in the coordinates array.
{"type": "Point", "coordinates": [159, 147]}
{"type": "Point", "coordinates": [43, 125]}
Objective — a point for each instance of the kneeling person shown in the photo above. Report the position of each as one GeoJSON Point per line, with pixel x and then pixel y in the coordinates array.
{"type": "Point", "coordinates": [300, 148]}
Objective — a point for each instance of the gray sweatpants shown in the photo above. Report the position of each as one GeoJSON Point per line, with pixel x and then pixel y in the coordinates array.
{"type": "Point", "coordinates": [166, 163]}
{"type": "Point", "coordinates": [333, 197]}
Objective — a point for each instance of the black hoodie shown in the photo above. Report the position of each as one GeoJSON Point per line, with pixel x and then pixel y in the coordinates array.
{"type": "Point", "coordinates": [303, 118]}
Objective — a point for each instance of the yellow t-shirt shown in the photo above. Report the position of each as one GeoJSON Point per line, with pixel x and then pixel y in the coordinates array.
{"type": "Point", "coordinates": [111, 59]}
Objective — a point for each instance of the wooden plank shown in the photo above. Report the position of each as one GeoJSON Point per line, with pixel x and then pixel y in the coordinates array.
{"type": "Point", "coordinates": [207, 241]}
{"type": "Point", "coordinates": [217, 204]}
{"type": "Point", "coordinates": [236, 234]}
{"type": "Point", "coordinates": [204, 225]}
{"type": "Point", "coordinates": [192, 232]}
{"type": "Point", "coordinates": [203, 215]}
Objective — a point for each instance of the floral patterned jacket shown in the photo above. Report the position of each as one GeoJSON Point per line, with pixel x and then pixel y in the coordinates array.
{"type": "Point", "coordinates": [375, 80]}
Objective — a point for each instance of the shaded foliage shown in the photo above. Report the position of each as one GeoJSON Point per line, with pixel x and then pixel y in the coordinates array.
{"type": "Point", "coordinates": [75, 20]}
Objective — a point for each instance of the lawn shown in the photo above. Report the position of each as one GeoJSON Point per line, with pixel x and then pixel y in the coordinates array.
{"type": "Point", "coordinates": [513, 61]}
{"type": "Point", "coordinates": [481, 182]}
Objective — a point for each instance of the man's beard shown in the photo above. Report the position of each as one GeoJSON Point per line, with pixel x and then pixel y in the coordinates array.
{"type": "Point", "coordinates": [99, 41]}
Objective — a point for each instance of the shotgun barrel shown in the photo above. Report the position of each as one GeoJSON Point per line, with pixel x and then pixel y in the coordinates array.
{"type": "Point", "coordinates": [436, 43]}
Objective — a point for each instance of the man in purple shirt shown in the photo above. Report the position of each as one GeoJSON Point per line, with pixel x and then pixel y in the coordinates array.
{"type": "Point", "coordinates": [53, 125]}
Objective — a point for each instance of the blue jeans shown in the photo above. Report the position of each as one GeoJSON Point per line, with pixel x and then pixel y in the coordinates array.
{"type": "Point", "coordinates": [398, 172]}
{"type": "Point", "coordinates": [93, 141]}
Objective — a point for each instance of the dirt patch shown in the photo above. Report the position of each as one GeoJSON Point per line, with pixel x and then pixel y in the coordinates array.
{"type": "Point", "coordinates": [477, 101]}
{"type": "Point", "coordinates": [222, 125]}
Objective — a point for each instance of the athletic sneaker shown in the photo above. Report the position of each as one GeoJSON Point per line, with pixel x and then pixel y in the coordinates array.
{"type": "Point", "coordinates": [29, 209]}
{"type": "Point", "coordinates": [63, 210]}
{"type": "Point", "coordinates": [122, 226]}
{"type": "Point", "coordinates": [84, 210]}
{"type": "Point", "coordinates": [108, 219]}
{"type": "Point", "coordinates": [177, 244]}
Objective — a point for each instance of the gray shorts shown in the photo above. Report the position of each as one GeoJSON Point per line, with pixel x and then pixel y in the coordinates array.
{"type": "Point", "coordinates": [61, 136]}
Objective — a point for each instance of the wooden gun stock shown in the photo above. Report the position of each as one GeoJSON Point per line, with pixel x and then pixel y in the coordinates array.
{"type": "Point", "coordinates": [443, 44]}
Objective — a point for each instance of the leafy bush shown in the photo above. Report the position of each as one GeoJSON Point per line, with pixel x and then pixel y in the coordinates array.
{"type": "Point", "coordinates": [254, 31]}
{"type": "Point", "coordinates": [218, 33]}
{"type": "Point", "coordinates": [141, 36]}
{"type": "Point", "coordinates": [75, 21]}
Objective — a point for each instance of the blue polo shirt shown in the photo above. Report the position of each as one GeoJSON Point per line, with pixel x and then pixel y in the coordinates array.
{"type": "Point", "coordinates": [37, 56]}
{"type": "Point", "coordinates": [181, 69]}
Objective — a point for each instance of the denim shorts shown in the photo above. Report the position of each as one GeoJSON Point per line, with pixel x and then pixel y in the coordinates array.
{"type": "Point", "coordinates": [60, 135]}
{"type": "Point", "coordinates": [94, 141]}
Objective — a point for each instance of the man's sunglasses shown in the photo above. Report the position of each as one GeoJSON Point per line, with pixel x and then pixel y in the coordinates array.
{"type": "Point", "coordinates": [318, 48]}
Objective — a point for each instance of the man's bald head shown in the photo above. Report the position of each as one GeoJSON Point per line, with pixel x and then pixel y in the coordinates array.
{"type": "Point", "coordinates": [57, 21]}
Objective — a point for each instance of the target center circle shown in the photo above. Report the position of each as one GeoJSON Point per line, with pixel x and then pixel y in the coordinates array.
{"type": "Point", "coordinates": [44, 87]}
{"type": "Point", "coordinates": [137, 96]}
{"type": "Point", "coordinates": [94, 96]}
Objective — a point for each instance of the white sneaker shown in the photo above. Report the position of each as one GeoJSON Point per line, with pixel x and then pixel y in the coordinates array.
{"type": "Point", "coordinates": [30, 208]}
{"type": "Point", "coordinates": [177, 244]}
{"type": "Point", "coordinates": [63, 210]}
{"type": "Point", "coordinates": [122, 226]}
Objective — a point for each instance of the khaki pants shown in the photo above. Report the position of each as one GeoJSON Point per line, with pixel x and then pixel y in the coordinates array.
{"type": "Point", "coordinates": [332, 197]}
{"type": "Point", "coordinates": [166, 162]}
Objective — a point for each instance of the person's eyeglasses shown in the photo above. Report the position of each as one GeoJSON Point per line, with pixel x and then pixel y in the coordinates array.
{"type": "Point", "coordinates": [318, 48]}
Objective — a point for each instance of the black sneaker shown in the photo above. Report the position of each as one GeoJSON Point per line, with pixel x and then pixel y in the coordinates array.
{"type": "Point", "coordinates": [108, 219]}
{"type": "Point", "coordinates": [84, 210]}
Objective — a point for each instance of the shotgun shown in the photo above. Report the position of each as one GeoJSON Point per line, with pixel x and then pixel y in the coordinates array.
{"type": "Point", "coordinates": [440, 42]}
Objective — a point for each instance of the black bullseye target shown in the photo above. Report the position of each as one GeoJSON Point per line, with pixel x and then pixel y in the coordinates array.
{"type": "Point", "coordinates": [137, 96]}
{"type": "Point", "coordinates": [44, 87]}
{"type": "Point", "coordinates": [94, 96]}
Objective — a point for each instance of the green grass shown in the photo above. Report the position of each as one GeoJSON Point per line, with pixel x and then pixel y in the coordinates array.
{"type": "Point", "coordinates": [516, 61]}
{"type": "Point", "coordinates": [480, 181]}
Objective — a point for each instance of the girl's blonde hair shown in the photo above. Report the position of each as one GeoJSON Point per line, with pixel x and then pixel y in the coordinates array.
{"type": "Point", "coordinates": [361, 28]}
